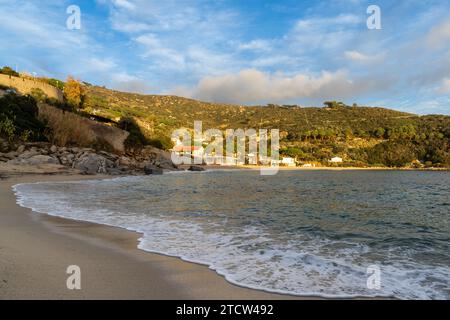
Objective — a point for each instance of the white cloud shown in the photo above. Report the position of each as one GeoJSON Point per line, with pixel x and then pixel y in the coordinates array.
{"type": "Point", "coordinates": [445, 86]}
{"type": "Point", "coordinates": [322, 23]}
{"type": "Point", "coordinates": [325, 34]}
{"type": "Point", "coordinates": [356, 56]}
{"type": "Point", "coordinates": [100, 65]}
{"type": "Point", "coordinates": [255, 45]}
{"type": "Point", "coordinates": [439, 36]}
{"type": "Point", "coordinates": [129, 26]}
{"type": "Point", "coordinates": [124, 4]}
{"type": "Point", "coordinates": [129, 83]}
{"type": "Point", "coordinates": [249, 86]}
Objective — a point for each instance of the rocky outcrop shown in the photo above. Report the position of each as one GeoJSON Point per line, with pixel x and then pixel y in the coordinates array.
{"type": "Point", "coordinates": [93, 164]}
{"type": "Point", "coordinates": [89, 161]}
{"type": "Point", "coordinates": [150, 156]}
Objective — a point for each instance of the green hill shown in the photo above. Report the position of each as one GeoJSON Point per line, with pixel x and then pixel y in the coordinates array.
{"type": "Point", "coordinates": [361, 135]}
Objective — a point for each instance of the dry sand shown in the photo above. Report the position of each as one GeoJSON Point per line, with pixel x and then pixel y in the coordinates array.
{"type": "Point", "coordinates": [36, 249]}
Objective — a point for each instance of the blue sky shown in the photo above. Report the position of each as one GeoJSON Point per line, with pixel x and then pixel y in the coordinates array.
{"type": "Point", "coordinates": [244, 52]}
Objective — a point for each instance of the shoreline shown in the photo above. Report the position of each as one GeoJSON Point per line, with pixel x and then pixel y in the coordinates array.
{"type": "Point", "coordinates": [282, 168]}
{"type": "Point", "coordinates": [36, 250]}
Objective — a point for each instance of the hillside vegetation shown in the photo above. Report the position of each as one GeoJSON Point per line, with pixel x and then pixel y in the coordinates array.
{"type": "Point", "coordinates": [362, 136]}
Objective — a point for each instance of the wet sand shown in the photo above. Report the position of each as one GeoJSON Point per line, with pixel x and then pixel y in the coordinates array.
{"type": "Point", "coordinates": [36, 249]}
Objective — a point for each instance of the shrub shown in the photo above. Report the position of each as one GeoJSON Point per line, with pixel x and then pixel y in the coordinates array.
{"type": "Point", "coordinates": [38, 95]}
{"type": "Point", "coordinates": [19, 118]}
{"type": "Point", "coordinates": [136, 139]}
{"type": "Point", "coordinates": [66, 128]}
{"type": "Point", "coordinates": [56, 83]}
{"type": "Point", "coordinates": [9, 71]}
{"type": "Point", "coordinates": [74, 92]}
{"type": "Point", "coordinates": [7, 127]}
{"type": "Point", "coordinates": [161, 142]}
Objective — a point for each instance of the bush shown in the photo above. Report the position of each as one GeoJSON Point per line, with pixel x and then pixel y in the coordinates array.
{"type": "Point", "coordinates": [19, 118]}
{"type": "Point", "coordinates": [9, 71]}
{"type": "Point", "coordinates": [161, 142]}
{"type": "Point", "coordinates": [56, 83]}
{"type": "Point", "coordinates": [60, 105]}
{"type": "Point", "coordinates": [74, 92]}
{"type": "Point", "coordinates": [66, 128]}
{"type": "Point", "coordinates": [38, 95]}
{"type": "Point", "coordinates": [7, 128]}
{"type": "Point", "coordinates": [136, 139]}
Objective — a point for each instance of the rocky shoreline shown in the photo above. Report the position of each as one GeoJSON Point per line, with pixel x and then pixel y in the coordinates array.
{"type": "Point", "coordinates": [148, 160]}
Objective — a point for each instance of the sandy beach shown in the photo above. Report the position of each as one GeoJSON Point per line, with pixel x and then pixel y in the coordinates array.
{"type": "Point", "coordinates": [36, 249]}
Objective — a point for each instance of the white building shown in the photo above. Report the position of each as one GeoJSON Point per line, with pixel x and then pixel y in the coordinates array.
{"type": "Point", "coordinates": [336, 160]}
{"type": "Point", "coordinates": [287, 161]}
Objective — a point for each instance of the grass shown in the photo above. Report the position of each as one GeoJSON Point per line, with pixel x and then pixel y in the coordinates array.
{"type": "Point", "coordinates": [66, 128]}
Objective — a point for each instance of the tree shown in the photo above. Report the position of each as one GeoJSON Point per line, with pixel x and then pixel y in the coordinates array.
{"type": "Point", "coordinates": [38, 95]}
{"type": "Point", "coordinates": [334, 104]}
{"type": "Point", "coordinates": [9, 71]}
{"type": "Point", "coordinates": [74, 92]}
{"type": "Point", "coordinates": [379, 133]}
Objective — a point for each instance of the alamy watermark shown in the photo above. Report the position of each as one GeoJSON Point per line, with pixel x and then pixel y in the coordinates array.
{"type": "Point", "coordinates": [243, 147]}
{"type": "Point", "coordinates": [74, 280]}
{"type": "Point", "coordinates": [374, 20]}
{"type": "Point", "coordinates": [374, 277]}
{"type": "Point", "coordinates": [73, 22]}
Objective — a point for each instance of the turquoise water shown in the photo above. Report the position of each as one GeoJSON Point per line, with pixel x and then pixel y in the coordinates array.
{"type": "Point", "coordinates": [299, 232]}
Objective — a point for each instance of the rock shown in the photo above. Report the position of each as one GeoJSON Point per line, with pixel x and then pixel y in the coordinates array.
{"type": "Point", "coordinates": [53, 149]}
{"type": "Point", "coordinates": [149, 169]}
{"type": "Point", "coordinates": [20, 149]}
{"type": "Point", "coordinates": [109, 156]}
{"type": "Point", "coordinates": [158, 158]}
{"type": "Point", "coordinates": [28, 154]}
{"type": "Point", "coordinates": [115, 171]}
{"type": "Point", "coordinates": [41, 159]}
{"type": "Point", "coordinates": [67, 159]}
{"type": "Point", "coordinates": [34, 160]}
{"type": "Point", "coordinates": [3, 158]}
{"type": "Point", "coordinates": [124, 161]}
{"type": "Point", "coordinates": [10, 155]}
{"type": "Point", "coordinates": [92, 163]}
{"type": "Point", "coordinates": [3, 146]}
{"type": "Point", "coordinates": [196, 168]}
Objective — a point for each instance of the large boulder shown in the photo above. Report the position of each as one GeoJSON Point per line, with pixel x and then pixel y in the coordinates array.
{"type": "Point", "coordinates": [152, 170]}
{"type": "Point", "coordinates": [35, 160]}
{"type": "Point", "coordinates": [158, 158]}
{"type": "Point", "coordinates": [196, 168]}
{"type": "Point", "coordinates": [29, 153]}
{"type": "Point", "coordinates": [42, 159]}
{"type": "Point", "coordinates": [10, 155]}
{"type": "Point", "coordinates": [91, 163]}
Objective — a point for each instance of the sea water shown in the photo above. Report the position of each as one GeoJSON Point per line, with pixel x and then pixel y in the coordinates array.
{"type": "Point", "coordinates": [300, 232]}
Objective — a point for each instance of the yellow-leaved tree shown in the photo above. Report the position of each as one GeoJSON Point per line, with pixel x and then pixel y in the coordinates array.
{"type": "Point", "coordinates": [74, 92]}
